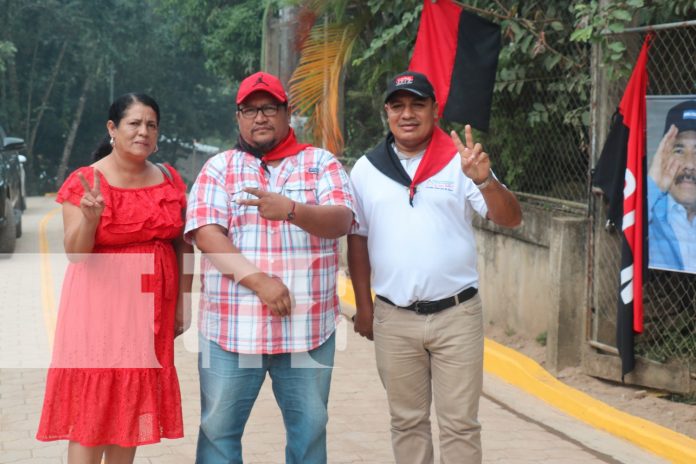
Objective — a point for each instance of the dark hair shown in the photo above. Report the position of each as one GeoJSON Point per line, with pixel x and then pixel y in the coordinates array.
{"type": "Point", "coordinates": [116, 112]}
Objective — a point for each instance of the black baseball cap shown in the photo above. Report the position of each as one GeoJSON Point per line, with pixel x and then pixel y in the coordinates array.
{"type": "Point", "coordinates": [410, 81]}
{"type": "Point", "coordinates": [683, 116]}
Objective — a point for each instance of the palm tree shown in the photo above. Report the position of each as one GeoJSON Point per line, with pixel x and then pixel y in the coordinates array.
{"type": "Point", "coordinates": [316, 84]}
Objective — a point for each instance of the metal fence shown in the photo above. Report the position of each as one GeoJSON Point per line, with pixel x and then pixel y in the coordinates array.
{"type": "Point", "coordinates": [539, 140]}
{"type": "Point", "coordinates": [669, 297]}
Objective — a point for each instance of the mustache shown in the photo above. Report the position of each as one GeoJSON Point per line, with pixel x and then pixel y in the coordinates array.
{"type": "Point", "coordinates": [686, 175]}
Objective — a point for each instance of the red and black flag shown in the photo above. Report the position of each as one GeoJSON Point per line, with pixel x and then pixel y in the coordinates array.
{"type": "Point", "coordinates": [458, 51]}
{"type": "Point", "coordinates": [620, 174]}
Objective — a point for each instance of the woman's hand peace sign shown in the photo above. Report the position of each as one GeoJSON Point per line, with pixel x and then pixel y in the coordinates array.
{"type": "Point", "coordinates": [92, 202]}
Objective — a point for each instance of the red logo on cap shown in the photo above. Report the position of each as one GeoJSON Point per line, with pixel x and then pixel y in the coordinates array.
{"type": "Point", "coordinates": [403, 80]}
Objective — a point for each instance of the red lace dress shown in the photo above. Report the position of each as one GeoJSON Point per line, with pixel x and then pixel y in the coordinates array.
{"type": "Point", "coordinates": [112, 378]}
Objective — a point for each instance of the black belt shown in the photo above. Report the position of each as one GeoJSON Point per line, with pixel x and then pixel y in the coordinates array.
{"type": "Point", "coordinates": [430, 307]}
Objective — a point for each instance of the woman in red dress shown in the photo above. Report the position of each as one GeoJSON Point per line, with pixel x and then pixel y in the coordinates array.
{"type": "Point", "coordinates": [112, 385]}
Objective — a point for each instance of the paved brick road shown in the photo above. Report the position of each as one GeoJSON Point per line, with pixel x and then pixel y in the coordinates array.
{"type": "Point", "coordinates": [517, 428]}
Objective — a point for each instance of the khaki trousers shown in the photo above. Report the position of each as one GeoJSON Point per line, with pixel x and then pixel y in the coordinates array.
{"type": "Point", "coordinates": [440, 356]}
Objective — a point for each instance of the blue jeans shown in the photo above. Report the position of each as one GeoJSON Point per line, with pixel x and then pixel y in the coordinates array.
{"type": "Point", "coordinates": [230, 383]}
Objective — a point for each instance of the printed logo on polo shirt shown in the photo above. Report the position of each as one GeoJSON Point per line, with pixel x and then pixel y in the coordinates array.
{"type": "Point", "coordinates": [689, 114]}
{"type": "Point", "coordinates": [435, 184]}
{"type": "Point", "coordinates": [403, 80]}
{"type": "Point", "coordinates": [313, 170]}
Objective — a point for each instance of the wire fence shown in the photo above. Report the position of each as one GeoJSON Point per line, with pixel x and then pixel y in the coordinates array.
{"type": "Point", "coordinates": [669, 297]}
{"type": "Point", "coordinates": [539, 138]}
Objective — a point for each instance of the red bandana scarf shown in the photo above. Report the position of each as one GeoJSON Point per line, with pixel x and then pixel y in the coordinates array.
{"type": "Point", "coordinates": [287, 147]}
{"type": "Point", "coordinates": [438, 154]}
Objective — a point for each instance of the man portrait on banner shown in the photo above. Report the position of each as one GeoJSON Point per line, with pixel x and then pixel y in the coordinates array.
{"type": "Point", "coordinates": [672, 193]}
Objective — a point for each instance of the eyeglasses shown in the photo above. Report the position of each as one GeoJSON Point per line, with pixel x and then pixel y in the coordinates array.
{"type": "Point", "coordinates": [250, 112]}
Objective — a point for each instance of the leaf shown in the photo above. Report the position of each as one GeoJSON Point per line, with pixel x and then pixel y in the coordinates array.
{"type": "Point", "coordinates": [516, 29]}
{"type": "Point", "coordinates": [616, 27]}
{"type": "Point", "coordinates": [315, 84]}
{"type": "Point", "coordinates": [623, 15]}
{"type": "Point", "coordinates": [616, 46]}
{"type": "Point", "coordinates": [581, 35]}
{"type": "Point", "coordinates": [551, 61]}
{"type": "Point", "coordinates": [525, 43]}
{"type": "Point", "coordinates": [557, 26]}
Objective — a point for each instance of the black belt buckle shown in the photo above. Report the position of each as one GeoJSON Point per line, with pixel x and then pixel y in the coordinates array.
{"type": "Point", "coordinates": [417, 307]}
{"type": "Point", "coordinates": [426, 307]}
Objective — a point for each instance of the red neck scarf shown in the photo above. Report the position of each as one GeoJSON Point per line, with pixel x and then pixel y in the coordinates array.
{"type": "Point", "coordinates": [439, 153]}
{"type": "Point", "coordinates": [287, 147]}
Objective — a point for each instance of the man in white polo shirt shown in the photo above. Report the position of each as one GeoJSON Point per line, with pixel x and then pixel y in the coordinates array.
{"type": "Point", "coordinates": [414, 245]}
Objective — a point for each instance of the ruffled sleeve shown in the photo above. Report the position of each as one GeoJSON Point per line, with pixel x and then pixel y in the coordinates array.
{"type": "Point", "coordinates": [72, 190]}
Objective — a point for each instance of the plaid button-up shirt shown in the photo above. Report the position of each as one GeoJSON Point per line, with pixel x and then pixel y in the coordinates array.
{"type": "Point", "coordinates": [232, 315]}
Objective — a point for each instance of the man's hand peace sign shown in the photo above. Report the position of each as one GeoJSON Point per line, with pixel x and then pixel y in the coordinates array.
{"type": "Point", "coordinates": [92, 202]}
{"type": "Point", "coordinates": [475, 162]}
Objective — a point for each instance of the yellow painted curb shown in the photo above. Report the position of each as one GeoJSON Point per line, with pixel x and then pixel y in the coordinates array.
{"type": "Point", "coordinates": [524, 373]}
{"type": "Point", "coordinates": [529, 376]}
{"type": "Point", "coordinates": [48, 299]}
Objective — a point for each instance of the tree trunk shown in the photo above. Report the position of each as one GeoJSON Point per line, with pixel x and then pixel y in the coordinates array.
{"type": "Point", "coordinates": [70, 141]}
{"type": "Point", "coordinates": [13, 100]}
{"type": "Point", "coordinates": [42, 107]}
{"type": "Point", "coordinates": [30, 89]}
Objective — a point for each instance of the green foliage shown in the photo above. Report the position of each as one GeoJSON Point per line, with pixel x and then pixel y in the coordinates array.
{"type": "Point", "coordinates": [383, 48]}
{"type": "Point", "coordinates": [543, 76]}
{"type": "Point", "coordinates": [228, 34]}
{"type": "Point", "coordinates": [7, 51]}
{"type": "Point", "coordinates": [603, 24]}
{"type": "Point", "coordinates": [130, 40]}
{"type": "Point", "coordinates": [389, 35]}
{"type": "Point", "coordinates": [600, 24]}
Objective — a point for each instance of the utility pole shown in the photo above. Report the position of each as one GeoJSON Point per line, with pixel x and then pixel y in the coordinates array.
{"type": "Point", "coordinates": [280, 54]}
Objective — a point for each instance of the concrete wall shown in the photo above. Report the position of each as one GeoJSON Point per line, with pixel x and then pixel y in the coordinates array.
{"type": "Point", "coordinates": [533, 279]}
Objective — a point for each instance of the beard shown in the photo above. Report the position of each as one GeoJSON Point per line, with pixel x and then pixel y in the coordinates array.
{"type": "Point", "coordinates": [265, 146]}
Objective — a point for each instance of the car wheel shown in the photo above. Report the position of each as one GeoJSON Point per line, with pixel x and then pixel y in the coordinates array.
{"type": "Point", "coordinates": [8, 236]}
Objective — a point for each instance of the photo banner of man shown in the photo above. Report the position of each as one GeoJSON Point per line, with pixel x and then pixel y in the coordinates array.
{"type": "Point", "coordinates": [671, 181]}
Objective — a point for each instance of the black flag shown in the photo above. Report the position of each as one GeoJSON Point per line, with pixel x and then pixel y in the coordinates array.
{"type": "Point", "coordinates": [620, 174]}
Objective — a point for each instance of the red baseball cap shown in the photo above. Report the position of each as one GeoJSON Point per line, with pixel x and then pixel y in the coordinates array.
{"type": "Point", "coordinates": [261, 82]}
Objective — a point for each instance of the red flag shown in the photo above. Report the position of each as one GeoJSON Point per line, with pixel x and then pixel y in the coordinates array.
{"type": "Point", "coordinates": [458, 51]}
{"type": "Point", "coordinates": [620, 174]}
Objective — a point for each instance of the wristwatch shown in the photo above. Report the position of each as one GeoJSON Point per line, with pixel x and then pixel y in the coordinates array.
{"type": "Point", "coordinates": [291, 214]}
{"type": "Point", "coordinates": [486, 182]}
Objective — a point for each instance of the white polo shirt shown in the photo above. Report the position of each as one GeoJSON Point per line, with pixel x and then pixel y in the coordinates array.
{"type": "Point", "coordinates": [422, 253]}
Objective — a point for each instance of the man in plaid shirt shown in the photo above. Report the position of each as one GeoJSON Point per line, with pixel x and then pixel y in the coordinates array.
{"type": "Point", "coordinates": [267, 215]}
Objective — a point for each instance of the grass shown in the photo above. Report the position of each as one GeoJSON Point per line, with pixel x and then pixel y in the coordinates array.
{"type": "Point", "coordinates": [541, 338]}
